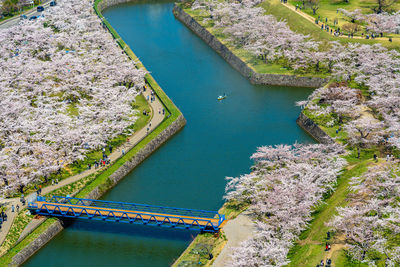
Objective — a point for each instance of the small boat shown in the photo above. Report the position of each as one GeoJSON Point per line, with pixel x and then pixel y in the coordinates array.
{"type": "Point", "coordinates": [221, 97]}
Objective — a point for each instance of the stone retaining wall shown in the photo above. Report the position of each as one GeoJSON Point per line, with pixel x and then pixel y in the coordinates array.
{"type": "Point", "coordinates": [37, 244]}
{"type": "Point", "coordinates": [313, 129]}
{"type": "Point", "coordinates": [239, 64]}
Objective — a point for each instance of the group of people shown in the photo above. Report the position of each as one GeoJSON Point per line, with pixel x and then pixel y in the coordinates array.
{"type": "Point", "coordinates": [38, 190]}
{"type": "Point", "coordinates": [104, 161]}
{"type": "Point", "coordinates": [327, 248]}
{"type": "Point", "coordinates": [3, 218]}
{"type": "Point", "coordinates": [335, 32]}
{"type": "Point", "coordinates": [151, 97]}
{"type": "Point", "coordinates": [328, 263]}
{"type": "Point", "coordinates": [13, 208]}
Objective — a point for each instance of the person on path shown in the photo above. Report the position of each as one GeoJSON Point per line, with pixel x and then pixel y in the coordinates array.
{"type": "Point", "coordinates": [12, 208]}
{"type": "Point", "coordinates": [110, 149]}
{"type": "Point", "coordinates": [17, 208]}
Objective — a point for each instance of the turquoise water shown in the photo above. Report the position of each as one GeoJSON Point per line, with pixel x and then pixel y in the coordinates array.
{"type": "Point", "coordinates": [189, 170]}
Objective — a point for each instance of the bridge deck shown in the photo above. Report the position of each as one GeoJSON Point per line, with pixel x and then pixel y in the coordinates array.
{"type": "Point", "coordinates": [127, 212]}
{"type": "Point", "coordinates": [119, 213]}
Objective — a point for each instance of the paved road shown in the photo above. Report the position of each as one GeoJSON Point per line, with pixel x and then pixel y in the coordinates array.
{"type": "Point", "coordinates": [16, 19]}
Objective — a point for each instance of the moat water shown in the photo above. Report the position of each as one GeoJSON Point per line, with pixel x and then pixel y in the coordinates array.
{"type": "Point", "coordinates": [189, 170]}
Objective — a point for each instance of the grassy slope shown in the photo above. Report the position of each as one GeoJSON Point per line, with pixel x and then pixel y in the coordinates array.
{"type": "Point", "coordinates": [328, 9]}
{"type": "Point", "coordinates": [300, 25]}
{"type": "Point", "coordinates": [309, 250]}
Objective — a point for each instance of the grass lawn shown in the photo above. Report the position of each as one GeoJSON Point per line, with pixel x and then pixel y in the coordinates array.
{"type": "Point", "coordinates": [197, 254]}
{"type": "Point", "coordinates": [309, 250]}
{"type": "Point", "coordinates": [301, 25]}
{"type": "Point", "coordinates": [328, 8]}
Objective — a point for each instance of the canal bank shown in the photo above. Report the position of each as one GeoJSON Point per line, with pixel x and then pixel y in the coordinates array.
{"type": "Point", "coordinates": [213, 126]}
{"type": "Point", "coordinates": [161, 131]}
{"type": "Point", "coordinates": [239, 63]}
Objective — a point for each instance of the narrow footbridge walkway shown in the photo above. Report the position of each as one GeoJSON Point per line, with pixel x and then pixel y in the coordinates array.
{"type": "Point", "coordinates": [206, 221]}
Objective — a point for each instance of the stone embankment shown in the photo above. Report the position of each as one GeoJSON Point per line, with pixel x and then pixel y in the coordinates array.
{"type": "Point", "coordinates": [37, 244]}
{"type": "Point", "coordinates": [314, 130]}
{"type": "Point", "coordinates": [239, 64]}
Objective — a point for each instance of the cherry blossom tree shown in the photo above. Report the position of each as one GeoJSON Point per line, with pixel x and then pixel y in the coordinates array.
{"type": "Point", "coordinates": [66, 88]}
{"type": "Point", "coordinates": [286, 183]}
{"type": "Point", "coordinates": [371, 222]}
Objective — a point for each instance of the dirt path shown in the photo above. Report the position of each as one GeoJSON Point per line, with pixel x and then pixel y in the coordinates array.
{"type": "Point", "coordinates": [237, 230]}
{"type": "Point", "coordinates": [157, 118]}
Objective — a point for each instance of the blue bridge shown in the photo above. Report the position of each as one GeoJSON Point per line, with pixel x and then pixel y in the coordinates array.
{"type": "Point", "coordinates": [202, 220]}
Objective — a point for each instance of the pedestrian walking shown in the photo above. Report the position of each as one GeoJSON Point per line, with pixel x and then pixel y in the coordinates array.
{"type": "Point", "coordinates": [17, 207]}
{"type": "Point", "coordinates": [12, 208]}
{"type": "Point", "coordinates": [123, 152]}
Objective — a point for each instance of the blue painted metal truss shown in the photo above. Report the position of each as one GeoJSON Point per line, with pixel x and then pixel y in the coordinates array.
{"type": "Point", "coordinates": [202, 220]}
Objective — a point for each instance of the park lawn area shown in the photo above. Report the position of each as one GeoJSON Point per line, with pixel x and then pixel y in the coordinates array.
{"type": "Point", "coordinates": [310, 249]}
{"type": "Point", "coordinates": [327, 9]}
{"type": "Point", "coordinates": [301, 25]}
{"type": "Point", "coordinates": [197, 253]}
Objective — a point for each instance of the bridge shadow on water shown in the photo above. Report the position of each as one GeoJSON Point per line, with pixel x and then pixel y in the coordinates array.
{"type": "Point", "coordinates": [125, 229]}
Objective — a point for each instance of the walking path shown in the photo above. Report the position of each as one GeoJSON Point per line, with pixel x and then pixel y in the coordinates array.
{"type": "Point", "coordinates": [312, 19]}
{"type": "Point", "coordinates": [237, 230]}
{"type": "Point", "coordinates": [157, 118]}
